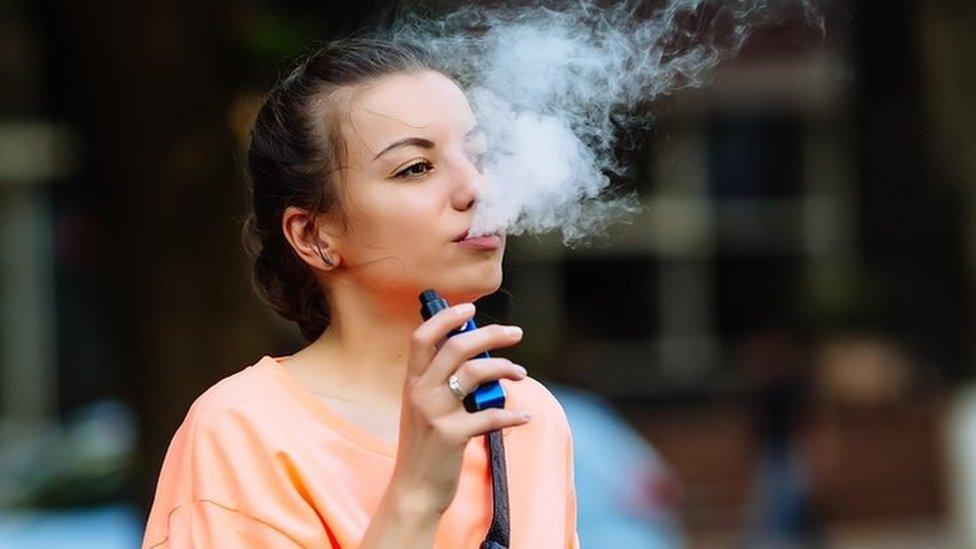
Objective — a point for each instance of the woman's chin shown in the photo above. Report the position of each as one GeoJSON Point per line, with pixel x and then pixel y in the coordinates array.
{"type": "Point", "coordinates": [471, 286]}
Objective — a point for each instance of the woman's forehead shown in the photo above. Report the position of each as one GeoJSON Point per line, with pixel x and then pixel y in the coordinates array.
{"type": "Point", "coordinates": [404, 105]}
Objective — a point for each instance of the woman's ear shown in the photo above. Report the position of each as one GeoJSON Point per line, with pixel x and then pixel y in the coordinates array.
{"type": "Point", "coordinates": [314, 243]}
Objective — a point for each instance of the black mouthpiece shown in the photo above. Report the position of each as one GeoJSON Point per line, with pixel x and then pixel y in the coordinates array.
{"type": "Point", "coordinates": [428, 295]}
{"type": "Point", "coordinates": [430, 303]}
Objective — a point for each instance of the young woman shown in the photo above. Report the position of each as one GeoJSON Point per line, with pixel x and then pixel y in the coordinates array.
{"type": "Point", "coordinates": [364, 167]}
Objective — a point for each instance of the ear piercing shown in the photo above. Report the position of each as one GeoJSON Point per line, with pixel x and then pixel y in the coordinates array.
{"type": "Point", "coordinates": [325, 260]}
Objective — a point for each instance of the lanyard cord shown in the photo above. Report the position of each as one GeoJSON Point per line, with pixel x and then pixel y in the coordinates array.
{"type": "Point", "coordinates": [498, 533]}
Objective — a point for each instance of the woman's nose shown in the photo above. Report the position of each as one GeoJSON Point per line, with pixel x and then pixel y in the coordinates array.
{"type": "Point", "coordinates": [469, 183]}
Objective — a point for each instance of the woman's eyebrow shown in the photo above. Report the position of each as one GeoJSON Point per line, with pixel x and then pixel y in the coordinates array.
{"type": "Point", "coordinates": [406, 141]}
{"type": "Point", "coordinates": [421, 142]}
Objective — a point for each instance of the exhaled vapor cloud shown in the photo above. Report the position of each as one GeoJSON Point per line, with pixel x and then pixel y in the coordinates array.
{"type": "Point", "coordinates": [553, 86]}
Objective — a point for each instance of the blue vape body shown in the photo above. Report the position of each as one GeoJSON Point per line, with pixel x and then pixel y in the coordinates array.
{"type": "Point", "coordinates": [489, 395]}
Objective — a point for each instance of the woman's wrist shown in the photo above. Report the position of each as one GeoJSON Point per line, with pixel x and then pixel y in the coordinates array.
{"type": "Point", "coordinates": [411, 505]}
{"type": "Point", "coordinates": [402, 517]}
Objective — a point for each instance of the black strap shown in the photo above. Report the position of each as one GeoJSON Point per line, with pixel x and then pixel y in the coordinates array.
{"type": "Point", "coordinates": [497, 537]}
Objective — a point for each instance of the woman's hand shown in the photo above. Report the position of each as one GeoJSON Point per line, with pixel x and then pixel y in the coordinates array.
{"type": "Point", "coordinates": [434, 425]}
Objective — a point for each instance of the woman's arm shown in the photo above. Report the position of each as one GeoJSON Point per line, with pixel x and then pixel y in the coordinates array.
{"type": "Point", "coordinates": [401, 522]}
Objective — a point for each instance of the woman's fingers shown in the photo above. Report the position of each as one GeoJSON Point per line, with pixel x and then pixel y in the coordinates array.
{"type": "Point", "coordinates": [479, 371]}
{"type": "Point", "coordinates": [425, 338]}
{"type": "Point", "coordinates": [489, 419]}
{"type": "Point", "coordinates": [469, 344]}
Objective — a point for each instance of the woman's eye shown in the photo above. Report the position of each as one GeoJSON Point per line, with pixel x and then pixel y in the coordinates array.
{"type": "Point", "coordinates": [415, 169]}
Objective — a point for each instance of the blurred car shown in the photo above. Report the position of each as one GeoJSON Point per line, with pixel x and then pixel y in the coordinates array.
{"type": "Point", "coordinates": [626, 495]}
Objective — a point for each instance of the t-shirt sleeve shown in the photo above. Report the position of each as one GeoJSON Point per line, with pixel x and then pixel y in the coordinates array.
{"type": "Point", "coordinates": [207, 524]}
{"type": "Point", "coordinates": [572, 534]}
{"type": "Point", "coordinates": [221, 479]}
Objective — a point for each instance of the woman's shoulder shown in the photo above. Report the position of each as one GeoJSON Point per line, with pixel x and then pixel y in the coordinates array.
{"type": "Point", "coordinates": [219, 467]}
{"type": "Point", "coordinates": [245, 395]}
{"type": "Point", "coordinates": [238, 416]}
{"type": "Point", "coordinates": [531, 394]}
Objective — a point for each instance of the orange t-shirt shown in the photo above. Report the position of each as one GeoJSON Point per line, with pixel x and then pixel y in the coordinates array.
{"type": "Point", "coordinates": [261, 462]}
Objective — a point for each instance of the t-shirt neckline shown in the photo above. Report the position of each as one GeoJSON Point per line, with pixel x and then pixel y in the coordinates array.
{"type": "Point", "coordinates": [322, 412]}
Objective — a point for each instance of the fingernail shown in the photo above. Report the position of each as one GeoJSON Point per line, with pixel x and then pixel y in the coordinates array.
{"type": "Point", "coordinates": [526, 415]}
{"type": "Point", "coordinates": [464, 308]}
{"type": "Point", "coordinates": [513, 331]}
{"type": "Point", "coordinates": [522, 369]}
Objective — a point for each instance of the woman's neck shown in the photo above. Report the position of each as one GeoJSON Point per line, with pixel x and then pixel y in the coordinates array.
{"type": "Point", "coordinates": [362, 355]}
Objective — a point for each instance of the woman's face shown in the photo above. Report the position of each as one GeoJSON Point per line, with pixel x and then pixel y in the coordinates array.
{"type": "Point", "coordinates": [409, 184]}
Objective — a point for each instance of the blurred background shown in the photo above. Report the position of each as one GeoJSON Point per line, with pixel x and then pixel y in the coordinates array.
{"type": "Point", "coordinates": [778, 352]}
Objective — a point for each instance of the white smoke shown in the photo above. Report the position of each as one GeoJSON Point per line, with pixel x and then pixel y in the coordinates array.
{"type": "Point", "coordinates": [553, 86]}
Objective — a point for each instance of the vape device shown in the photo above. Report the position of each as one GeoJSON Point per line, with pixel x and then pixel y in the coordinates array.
{"type": "Point", "coordinates": [489, 395]}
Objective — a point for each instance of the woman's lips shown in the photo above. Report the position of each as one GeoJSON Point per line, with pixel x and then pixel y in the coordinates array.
{"type": "Point", "coordinates": [482, 242]}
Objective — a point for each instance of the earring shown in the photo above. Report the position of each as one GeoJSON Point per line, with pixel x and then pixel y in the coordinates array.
{"type": "Point", "coordinates": [325, 260]}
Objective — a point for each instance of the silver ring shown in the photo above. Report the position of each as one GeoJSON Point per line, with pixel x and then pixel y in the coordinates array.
{"type": "Point", "coordinates": [452, 382]}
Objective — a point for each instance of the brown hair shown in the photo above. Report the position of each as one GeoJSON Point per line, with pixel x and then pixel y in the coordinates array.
{"type": "Point", "coordinates": [293, 159]}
